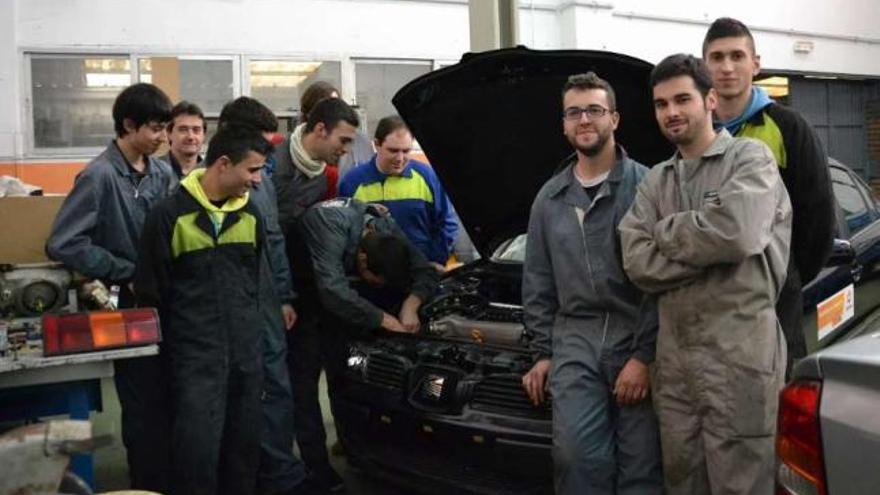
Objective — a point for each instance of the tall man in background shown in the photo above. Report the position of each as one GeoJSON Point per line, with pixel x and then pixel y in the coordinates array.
{"type": "Point", "coordinates": [745, 110]}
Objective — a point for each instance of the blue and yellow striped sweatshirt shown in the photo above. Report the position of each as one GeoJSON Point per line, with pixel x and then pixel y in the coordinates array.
{"type": "Point", "coordinates": [416, 200]}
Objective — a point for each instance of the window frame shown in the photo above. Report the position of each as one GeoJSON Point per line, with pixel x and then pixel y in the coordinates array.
{"type": "Point", "coordinates": [236, 70]}
{"type": "Point", "coordinates": [240, 81]}
{"type": "Point", "coordinates": [31, 149]}
{"type": "Point", "coordinates": [869, 202]}
{"type": "Point", "coordinates": [246, 73]}
{"type": "Point", "coordinates": [431, 65]}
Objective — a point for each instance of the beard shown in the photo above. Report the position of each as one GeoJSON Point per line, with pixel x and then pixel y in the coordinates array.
{"type": "Point", "coordinates": [594, 148]}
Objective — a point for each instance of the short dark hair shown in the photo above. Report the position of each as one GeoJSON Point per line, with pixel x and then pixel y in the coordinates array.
{"type": "Point", "coordinates": [590, 80]}
{"type": "Point", "coordinates": [187, 108]}
{"type": "Point", "coordinates": [388, 257]}
{"type": "Point", "coordinates": [330, 111]}
{"type": "Point", "coordinates": [389, 125]}
{"type": "Point", "coordinates": [235, 140]}
{"type": "Point", "coordinates": [727, 27]}
{"type": "Point", "coordinates": [683, 64]}
{"type": "Point", "coordinates": [248, 111]}
{"type": "Point", "coordinates": [316, 92]}
{"type": "Point", "coordinates": [141, 103]}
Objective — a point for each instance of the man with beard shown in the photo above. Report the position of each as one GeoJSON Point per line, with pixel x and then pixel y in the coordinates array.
{"type": "Point", "coordinates": [96, 234]}
{"type": "Point", "coordinates": [594, 330]}
{"type": "Point", "coordinates": [708, 232]}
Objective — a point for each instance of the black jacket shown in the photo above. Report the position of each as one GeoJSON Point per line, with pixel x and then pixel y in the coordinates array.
{"type": "Point", "coordinates": [332, 230]}
{"type": "Point", "coordinates": [804, 168]}
{"type": "Point", "coordinates": [97, 228]}
{"type": "Point", "coordinates": [209, 288]}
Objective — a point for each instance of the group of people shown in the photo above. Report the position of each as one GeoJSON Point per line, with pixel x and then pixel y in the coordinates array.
{"type": "Point", "coordinates": [258, 271]}
{"type": "Point", "coordinates": [666, 303]}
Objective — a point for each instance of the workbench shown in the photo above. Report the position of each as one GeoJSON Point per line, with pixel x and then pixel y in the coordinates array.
{"type": "Point", "coordinates": [34, 387]}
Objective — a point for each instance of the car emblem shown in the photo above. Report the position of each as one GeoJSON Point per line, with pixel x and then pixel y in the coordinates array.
{"type": "Point", "coordinates": [477, 335]}
{"type": "Point", "coordinates": [432, 386]}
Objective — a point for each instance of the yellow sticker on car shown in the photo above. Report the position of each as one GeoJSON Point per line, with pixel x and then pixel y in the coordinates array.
{"type": "Point", "coordinates": [835, 311]}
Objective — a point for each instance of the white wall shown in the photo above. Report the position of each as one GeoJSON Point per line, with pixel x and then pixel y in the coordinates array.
{"type": "Point", "coordinates": [845, 33]}
{"type": "Point", "coordinates": [378, 28]}
{"type": "Point", "coordinates": [10, 101]}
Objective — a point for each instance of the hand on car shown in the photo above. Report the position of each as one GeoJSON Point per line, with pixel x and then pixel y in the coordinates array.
{"type": "Point", "coordinates": [409, 313]}
{"type": "Point", "coordinates": [535, 380]}
{"type": "Point", "coordinates": [633, 383]}
{"type": "Point", "coordinates": [289, 315]}
{"type": "Point", "coordinates": [392, 324]}
{"type": "Point", "coordinates": [410, 320]}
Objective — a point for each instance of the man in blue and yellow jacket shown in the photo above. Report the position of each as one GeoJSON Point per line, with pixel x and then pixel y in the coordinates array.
{"type": "Point", "coordinates": [408, 188]}
{"type": "Point", "coordinates": [745, 110]}
{"type": "Point", "coordinates": [200, 263]}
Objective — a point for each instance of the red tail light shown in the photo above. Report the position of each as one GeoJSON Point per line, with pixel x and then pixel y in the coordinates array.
{"type": "Point", "coordinates": [99, 330]}
{"type": "Point", "coordinates": [801, 467]}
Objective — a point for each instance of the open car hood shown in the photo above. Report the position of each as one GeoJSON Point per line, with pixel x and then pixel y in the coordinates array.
{"type": "Point", "coordinates": [491, 126]}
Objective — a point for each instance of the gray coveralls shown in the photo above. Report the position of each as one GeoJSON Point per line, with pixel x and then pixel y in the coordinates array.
{"type": "Point", "coordinates": [588, 317]}
{"type": "Point", "coordinates": [96, 233]}
{"type": "Point", "coordinates": [710, 236]}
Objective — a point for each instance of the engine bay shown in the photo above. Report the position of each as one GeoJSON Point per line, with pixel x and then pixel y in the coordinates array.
{"type": "Point", "coordinates": [479, 303]}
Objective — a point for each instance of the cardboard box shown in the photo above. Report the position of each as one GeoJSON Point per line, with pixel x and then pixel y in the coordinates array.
{"type": "Point", "coordinates": [25, 223]}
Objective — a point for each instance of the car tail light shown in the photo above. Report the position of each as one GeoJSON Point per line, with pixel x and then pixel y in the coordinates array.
{"type": "Point", "coordinates": [99, 330]}
{"type": "Point", "coordinates": [801, 468]}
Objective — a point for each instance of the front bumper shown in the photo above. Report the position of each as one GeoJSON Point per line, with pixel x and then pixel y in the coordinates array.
{"type": "Point", "coordinates": [491, 444]}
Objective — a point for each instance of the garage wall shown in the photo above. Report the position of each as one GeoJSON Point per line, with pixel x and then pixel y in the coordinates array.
{"type": "Point", "coordinates": [845, 40]}
{"type": "Point", "coordinates": [10, 71]}
{"type": "Point", "coordinates": [845, 37]}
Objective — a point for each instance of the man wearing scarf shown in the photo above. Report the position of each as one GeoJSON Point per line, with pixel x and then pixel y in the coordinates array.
{"type": "Point", "coordinates": [301, 180]}
{"type": "Point", "coordinates": [746, 111]}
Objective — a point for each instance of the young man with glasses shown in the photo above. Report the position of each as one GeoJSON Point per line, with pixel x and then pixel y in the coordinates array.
{"type": "Point", "coordinates": [594, 329]}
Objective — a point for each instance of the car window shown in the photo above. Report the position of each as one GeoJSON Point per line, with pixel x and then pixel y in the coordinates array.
{"type": "Point", "coordinates": [855, 210]}
{"type": "Point", "coordinates": [867, 193]}
{"type": "Point", "coordinates": [512, 251]}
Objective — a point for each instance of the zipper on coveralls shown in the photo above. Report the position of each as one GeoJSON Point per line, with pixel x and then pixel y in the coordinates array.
{"type": "Point", "coordinates": [581, 215]}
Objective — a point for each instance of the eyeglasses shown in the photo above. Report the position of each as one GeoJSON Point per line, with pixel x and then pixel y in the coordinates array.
{"type": "Point", "coordinates": [592, 111]}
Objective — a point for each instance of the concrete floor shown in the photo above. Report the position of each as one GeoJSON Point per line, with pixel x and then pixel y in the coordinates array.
{"type": "Point", "coordinates": [111, 471]}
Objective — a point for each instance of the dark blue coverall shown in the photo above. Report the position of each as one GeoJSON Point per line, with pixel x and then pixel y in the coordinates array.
{"type": "Point", "coordinates": [589, 319]}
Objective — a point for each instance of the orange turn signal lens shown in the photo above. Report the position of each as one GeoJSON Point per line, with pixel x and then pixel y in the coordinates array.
{"type": "Point", "coordinates": [99, 330]}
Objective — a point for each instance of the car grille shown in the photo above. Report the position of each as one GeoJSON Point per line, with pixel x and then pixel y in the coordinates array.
{"type": "Point", "coordinates": [386, 370]}
{"type": "Point", "coordinates": [504, 393]}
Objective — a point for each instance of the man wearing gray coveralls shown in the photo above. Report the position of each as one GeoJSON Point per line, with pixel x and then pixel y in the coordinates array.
{"type": "Point", "coordinates": [594, 329]}
{"type": "Point", "coordinates": [708, 232]}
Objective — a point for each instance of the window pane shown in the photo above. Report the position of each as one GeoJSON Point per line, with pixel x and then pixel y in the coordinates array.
{"type": "Point", "coordinates": [207, 83]}
{"type": "Point", "coordinates": [376, 83]}
{"type": "Point", "coordinates": [73, 99]}
{"type": "Point", "coordinates": [278, 84]}
{"type": "Point", "coordinates": [850, 200]}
